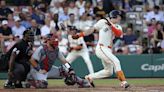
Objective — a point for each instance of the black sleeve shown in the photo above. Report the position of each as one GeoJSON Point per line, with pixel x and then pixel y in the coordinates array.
{"type": "Point", "coordinates": [9, 11]}
{"type": "Point", "coordinates": [1, 30]}
{"type": "Point", "coordinates": [19, 46]}
{"type": "Point", "coordinates": [10, 32]}
{"type": "Point", "coordinates": [38, 32]}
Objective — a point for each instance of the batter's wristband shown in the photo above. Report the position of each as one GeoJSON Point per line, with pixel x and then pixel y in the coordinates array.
{"type": "Point", "coordinates": [81, 34]}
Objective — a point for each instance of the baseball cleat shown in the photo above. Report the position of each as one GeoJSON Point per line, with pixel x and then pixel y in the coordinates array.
{"type": "Point", "coordinates": [125, 85]}
{"type": "Point", "coordinates": [90, 81]}
{"type": "Point", "coordinates": [9, 85]}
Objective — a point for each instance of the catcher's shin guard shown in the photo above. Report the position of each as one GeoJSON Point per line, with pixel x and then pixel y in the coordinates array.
{"type": "Point", "coordinates": [37, 84]}
{"type": "Point", "coordinates": [42, 84]}
{"type": "Point", "coordinates": [71, 78]}
{"type": "Point", "coordinates": [82, 82]}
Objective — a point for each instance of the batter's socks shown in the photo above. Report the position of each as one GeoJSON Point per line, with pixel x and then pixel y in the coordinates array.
{"type": "Point", "coordinates": [121, 76]}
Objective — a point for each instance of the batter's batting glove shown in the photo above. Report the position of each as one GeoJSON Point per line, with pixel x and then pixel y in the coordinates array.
{"type": "Point", "coordinates": [76, 36]}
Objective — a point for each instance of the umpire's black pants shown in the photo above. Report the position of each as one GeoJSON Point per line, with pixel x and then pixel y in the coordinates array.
{"type": "Point", "coordinates": [20, 72]}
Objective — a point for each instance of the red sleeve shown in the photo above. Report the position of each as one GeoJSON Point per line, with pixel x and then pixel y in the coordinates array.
{"type": "Point", "coordinates": [81, 34]}
{"type": "Point", "coordinates": [116, 31]}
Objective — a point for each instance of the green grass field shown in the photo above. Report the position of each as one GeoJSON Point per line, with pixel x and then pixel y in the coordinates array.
{"type": "Point", "coordinates": [112, 82]}
{"type": "Point", "coordinates": [102, 85]}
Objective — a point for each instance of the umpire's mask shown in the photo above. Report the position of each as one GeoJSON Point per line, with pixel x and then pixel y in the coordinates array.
{"type": "Point", "coordinates": [29, 35]}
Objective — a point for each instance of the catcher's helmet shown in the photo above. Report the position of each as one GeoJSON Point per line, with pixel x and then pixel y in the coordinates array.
{"type": "Point", "coordinates": [114, 14]}
{"type": "Point", "coordinates": [53, 38]}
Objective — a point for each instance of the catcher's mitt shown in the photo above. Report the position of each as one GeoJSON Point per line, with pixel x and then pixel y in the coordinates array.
{"type": "Point", "coordinates": [70, 80]}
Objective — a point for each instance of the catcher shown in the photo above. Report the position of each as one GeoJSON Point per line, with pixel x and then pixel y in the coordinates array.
{"type": "Point", "coordinates": [42, 62]}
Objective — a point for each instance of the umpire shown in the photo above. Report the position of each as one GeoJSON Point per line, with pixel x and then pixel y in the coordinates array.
{"type": "Point", "coordinates": [19, 65]}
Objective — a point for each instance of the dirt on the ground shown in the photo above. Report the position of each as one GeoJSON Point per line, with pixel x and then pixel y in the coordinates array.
{"type": "Point", "coordinates": [133, 88]}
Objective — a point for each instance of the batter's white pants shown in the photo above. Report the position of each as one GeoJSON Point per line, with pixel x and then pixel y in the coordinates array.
{"type": "Point", "coordinates": [109, 62]}
{"type": "Point", "coordinates": [84, 54]}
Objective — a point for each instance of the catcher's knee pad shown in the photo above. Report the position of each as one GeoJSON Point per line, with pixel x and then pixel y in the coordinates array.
{"type": "Point", "coordinates": [31, 83]}
{"type": "Point", "coordinates": [41, 84]}
{"type": "Point", "coordinates": [70, 80]}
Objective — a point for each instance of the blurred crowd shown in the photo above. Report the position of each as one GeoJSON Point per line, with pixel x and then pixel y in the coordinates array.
{"type": "Point", "coordinates": [142, 22]}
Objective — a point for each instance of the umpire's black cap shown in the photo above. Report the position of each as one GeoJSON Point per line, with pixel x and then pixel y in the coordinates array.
{"type": "Point", "coordinates": [28, 32]}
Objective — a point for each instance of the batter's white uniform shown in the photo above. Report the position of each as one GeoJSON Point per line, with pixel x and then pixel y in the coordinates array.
{"type": "Point", "coordinates": [84, 53]}
{"type": "Point", "coordinates": [104, 51]}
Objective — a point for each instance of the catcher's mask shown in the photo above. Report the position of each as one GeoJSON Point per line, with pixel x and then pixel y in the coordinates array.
{"type": "Point", "coordinates": [29, 35]}
{"type": "Point", "coordinates": [52, 39]}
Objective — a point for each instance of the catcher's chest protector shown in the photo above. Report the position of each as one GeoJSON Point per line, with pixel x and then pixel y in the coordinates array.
{"type": "Point", "coordinates": [48, 58]}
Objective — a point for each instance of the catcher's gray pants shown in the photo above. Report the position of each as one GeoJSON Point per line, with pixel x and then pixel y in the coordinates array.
{"type": "Point", "coordinates": [53, 73]}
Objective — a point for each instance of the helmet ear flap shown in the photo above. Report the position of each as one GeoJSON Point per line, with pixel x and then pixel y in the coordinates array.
{"type": "Point", "coordinates": [114, 14]}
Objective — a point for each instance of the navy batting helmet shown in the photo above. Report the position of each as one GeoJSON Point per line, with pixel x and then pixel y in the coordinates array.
{"type": "Point", "coordinates": [114, 14]}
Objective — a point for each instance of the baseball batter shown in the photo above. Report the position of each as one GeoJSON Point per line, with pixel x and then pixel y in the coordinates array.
{"type": "Point", "coordinates": [107, 28]}
{"type": "Point", "coordinates": [78, 48]}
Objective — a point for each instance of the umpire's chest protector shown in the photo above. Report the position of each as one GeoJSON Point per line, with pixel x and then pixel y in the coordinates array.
{"type": "Point", "coordinates": [48, 58]}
